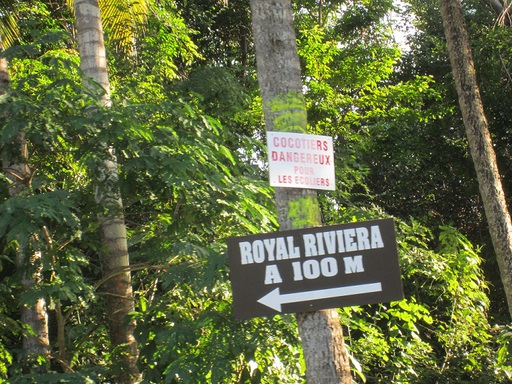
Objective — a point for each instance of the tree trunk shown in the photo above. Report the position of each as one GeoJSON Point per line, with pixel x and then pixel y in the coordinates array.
{"type": "Point", "coordinates": [16, 169]}
{"type": "Point", "coordinates": [284, 108]}
{"type": "Point", "coordinates": [479, 139]}
{"type": "Point", "coordinates": [35, 345]}
{"type": "Point", "coordinates": [114, 257]}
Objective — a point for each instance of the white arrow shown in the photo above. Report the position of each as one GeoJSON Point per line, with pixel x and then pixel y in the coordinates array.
{"type": "Point", "coordinates": [274, 299]}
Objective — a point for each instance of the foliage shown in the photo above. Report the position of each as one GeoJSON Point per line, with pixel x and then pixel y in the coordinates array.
{"type": "Point", "coordinates": [451, 285]}
{"type": "Point", "coordinates": [173, 156]}
{"type": "Point", "coordinates": [122, 19]}
{"type": "Point", "coordinates": [186, 122]}
{"type": "Point", "coordinates": [187, 334]}
{"type": "Point", "coordinates": [441, 331]}
{"type": "Point", "coordinates": [459, 203]}
{"type": "Point", "coordinates": [222, 31]}
{"type": "Point", "coordinates": [163, 49]}
{"type": "Point", "coordinates": [377, 122]}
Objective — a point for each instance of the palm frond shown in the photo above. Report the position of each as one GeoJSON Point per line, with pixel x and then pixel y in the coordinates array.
{"type": "Point", "coordinates": [122, 18]}
{"type": "Point", "coordinates": [9, 31]}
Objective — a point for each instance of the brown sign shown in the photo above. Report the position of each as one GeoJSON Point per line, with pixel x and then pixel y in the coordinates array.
{"type": "Point", "coordinates": [314, 268]}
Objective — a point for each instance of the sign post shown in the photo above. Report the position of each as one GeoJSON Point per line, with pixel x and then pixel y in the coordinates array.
{"type": "Point", "coordinates": [314, 268]}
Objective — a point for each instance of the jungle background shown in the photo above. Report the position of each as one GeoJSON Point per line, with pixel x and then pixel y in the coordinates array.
{"type": "Point", "coordinates": [186, 121]}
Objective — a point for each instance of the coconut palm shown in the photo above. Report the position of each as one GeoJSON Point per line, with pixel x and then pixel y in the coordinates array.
{"type": "Point", "coordinates": [114, 257]}
{"type": "Point", "coordinates": [280, 83]}
{"type": "Point", "coordinates": [121, 18]}
{"type": "Point", "coordinates": [36, 343]}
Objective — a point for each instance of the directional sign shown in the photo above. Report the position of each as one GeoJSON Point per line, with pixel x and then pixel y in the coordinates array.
{"type": "Point", "coordinates": [314, 268]}
{"type": "Point", "coordinates": [274, 299]}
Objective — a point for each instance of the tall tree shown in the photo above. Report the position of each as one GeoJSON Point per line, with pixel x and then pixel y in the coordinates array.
{"type": "Point", "coordinates": [15, 166]}
{"type": "Point", "coordinates": [479, 139]}
{"type": "Point", "coordinates": [122, 18]}
{"type": "Point", "coordinates": [279, 77]}
{"type": "Point", "coordinates": [114, 258]}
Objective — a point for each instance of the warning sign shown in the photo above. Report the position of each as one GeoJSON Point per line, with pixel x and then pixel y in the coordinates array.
{"type": "Point", "coordinates": [298, 160]}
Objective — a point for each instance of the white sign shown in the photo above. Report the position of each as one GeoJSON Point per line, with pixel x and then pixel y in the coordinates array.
{"type": "Point", "coordinates": [298, 160]}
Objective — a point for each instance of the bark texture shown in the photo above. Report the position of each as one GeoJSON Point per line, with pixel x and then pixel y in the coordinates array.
{"type": "Point", "coordinates": [114, 258]}
{"type": "Point", "coordinates": [16, 169]}
{"type": "Point", "coordinates": [279, 77]}
{"type": "Point", "coordinates": [36, 317]}
{"type": "Point", "coordinates": [479, 139]}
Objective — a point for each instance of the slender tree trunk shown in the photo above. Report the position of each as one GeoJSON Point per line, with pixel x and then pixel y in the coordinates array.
{"type": "Point", "coordinates": [35, 345]}
{"type": "Point", "coordinates": [114, 258]}
{"type": "Point", "coordinates": [284, 108]}
{"type": "Point", "coordinates": [15, 167]}
{"type": "Point", "coordinates": [5, 80]}
{"type": "Point", "coordinates": [479, 139]}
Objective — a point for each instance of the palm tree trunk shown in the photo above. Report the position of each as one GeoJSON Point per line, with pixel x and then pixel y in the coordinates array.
{"type": "Point", "coordinates": [36, 344]}
{"type": "Point", "coordinates": [284, 108]}
{"type": "Point", "coordinates": [479, 139]}
{"type": "Point", "coordinates": [114, 258]}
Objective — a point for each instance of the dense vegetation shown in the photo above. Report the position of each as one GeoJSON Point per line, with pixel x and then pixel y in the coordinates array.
{"type": "Point", "coordinates": [186, 121]}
